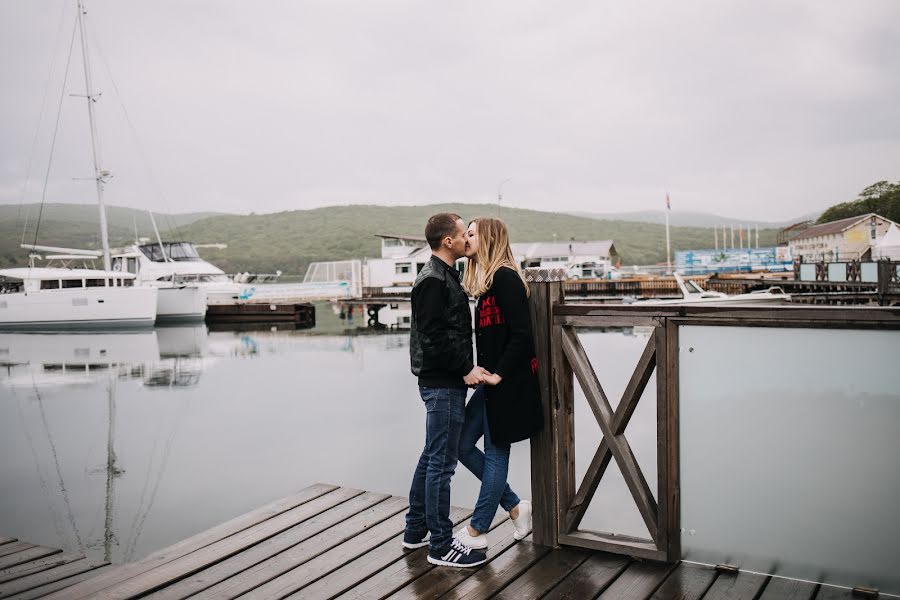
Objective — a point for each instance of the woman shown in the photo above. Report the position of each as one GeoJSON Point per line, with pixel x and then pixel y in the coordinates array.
{"type": "Point", "coordinates": [506, 408]}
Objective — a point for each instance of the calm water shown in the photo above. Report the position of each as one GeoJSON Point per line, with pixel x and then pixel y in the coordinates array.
{"type": "Point", "coordinates": [118, 444]}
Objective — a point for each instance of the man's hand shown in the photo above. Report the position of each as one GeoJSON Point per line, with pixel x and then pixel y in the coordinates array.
{"type": "Point", "coordinates": [475, 376]}
{"type": "Point", "coordinates": [491, 378]}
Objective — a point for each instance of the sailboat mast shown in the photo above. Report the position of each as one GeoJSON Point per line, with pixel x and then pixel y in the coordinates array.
{"type": "Point", "coordinates": [99, 174]}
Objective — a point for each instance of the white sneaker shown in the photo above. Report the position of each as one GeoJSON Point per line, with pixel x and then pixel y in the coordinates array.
{"type": "Point", "coordinates": [476, 542]}
{"type": "Point", "coordinates": [523, 523]}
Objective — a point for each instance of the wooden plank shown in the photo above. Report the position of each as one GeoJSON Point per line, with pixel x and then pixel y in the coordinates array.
{"type": "Point", "coordinates": [686, 582]}
{"type": "Point", "coordinates": [780, 588]}
{"type": "Point", "coordinates": [543, 475]}
{"type": "Point", "coordinates": [638, 581]}
{"type": "Point", "coordinates": [54, 574]}
{"type": "Point", "coordinates": [28, 555]}
{"type": "Point", "coordinates": [543, 575]}
{"type": "Point", "coordinates": [604, 321]}
{"type": "Point", "coordinates": [437, 581]}
{"type": "Point", "coordinates": [617, 544]}
{"type": "Point", "coordinates": [498, 573]}
{"type": "Point", "coordinates": [327, 562]}
{"type": "Point", "coordinates": [668, 440]}
{"type": "Point", "coordinates": [824, 314]}
{"type": "Point", "coordinates": [358, 578]}
{"type": "Point", "coordinates": [636, 385]}
{"type": "Point", "coordinates": [563, 398]}
{"type": "Point", "coordinates": [619, 446]}
{"type": "Point", "coordinates": [229, 567]}
{"type": "Point", "coordinates": [736, 587]}
{"type": "Point", "coordinates": [44, 590]}
{"type": "Point", "coordinates": [14, 547]}
{"type": "Point", "coordinates": [214, 553]}
{"type": "Point", "coordinates": [592, 577]}
{"type": "Point", "coordinates": [315, 546]}
{"type": "Point", "coordinates": [7, 540]}
{"type": "Point", "coordinates": [36, 566]}
{"type": "Point", "coordinates": [205, 538]}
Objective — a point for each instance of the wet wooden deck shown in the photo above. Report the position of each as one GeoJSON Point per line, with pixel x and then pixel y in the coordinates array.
{"type": "Point", "coordinates": [333, 542]}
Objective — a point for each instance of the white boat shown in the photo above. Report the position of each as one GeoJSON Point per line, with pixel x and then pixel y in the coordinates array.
{"type": "Point", "coordinates": [692, 293]}
{"type": "Point", "coordinates": [56, 298]}
{"type": "Point", "coordinates": [178, 265]}
{"type": "Point", "coordinates": [180, 299]}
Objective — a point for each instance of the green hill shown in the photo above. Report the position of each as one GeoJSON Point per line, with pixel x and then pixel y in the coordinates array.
{"type": "Point", "coordinates": [289, 241]}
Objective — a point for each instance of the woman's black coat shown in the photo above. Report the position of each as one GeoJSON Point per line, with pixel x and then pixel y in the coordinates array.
{"type": "Point", "coordinates": [505, 346]}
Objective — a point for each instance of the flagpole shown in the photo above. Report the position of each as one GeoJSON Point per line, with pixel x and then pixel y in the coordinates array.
{"type": "Point", "coordinates": [668, 240]}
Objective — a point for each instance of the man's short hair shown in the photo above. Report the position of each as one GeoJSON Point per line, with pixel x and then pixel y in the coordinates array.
{"type": "Point", "coordinates": [440, 226]}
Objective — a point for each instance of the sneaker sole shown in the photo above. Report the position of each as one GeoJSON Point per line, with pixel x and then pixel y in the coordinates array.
{"type": "Point", "coordinates": [447, 563]}
{"type": "Point", "coordinates": [410, 546]}
{"type": "Point", "coordinates": [521, 536]}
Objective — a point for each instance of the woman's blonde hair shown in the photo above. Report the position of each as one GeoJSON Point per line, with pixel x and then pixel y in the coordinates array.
{"type": "Point", "coordinates": [493, 252]}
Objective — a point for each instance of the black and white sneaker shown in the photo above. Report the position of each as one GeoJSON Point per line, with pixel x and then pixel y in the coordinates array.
{"type": "Point", "coordinates": [457, 554]}
{"type": "Point", "coordinates": [413, 540]}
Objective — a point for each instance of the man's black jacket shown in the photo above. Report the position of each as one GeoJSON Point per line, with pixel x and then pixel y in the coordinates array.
{"type": "Point", "coordinates": [440, 340]}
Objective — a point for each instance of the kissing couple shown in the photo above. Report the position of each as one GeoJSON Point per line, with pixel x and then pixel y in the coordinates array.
{"type": "Point", "coordinates": [505, 406]}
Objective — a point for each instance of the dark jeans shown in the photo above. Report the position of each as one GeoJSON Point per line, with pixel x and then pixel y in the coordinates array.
{"type": "Point", "coordinates": [429, 495]}
{"type": "Point", "coordinates": [490, 466]}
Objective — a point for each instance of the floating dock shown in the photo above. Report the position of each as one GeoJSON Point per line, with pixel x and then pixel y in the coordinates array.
{"type": "Point", "coordinates": [302, 315]}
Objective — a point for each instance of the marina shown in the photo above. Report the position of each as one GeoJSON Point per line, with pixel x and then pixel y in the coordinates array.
{"type": "Point", "coordinates": [173, 399]}
{"type": "Point", "coordinates": [207, 337]}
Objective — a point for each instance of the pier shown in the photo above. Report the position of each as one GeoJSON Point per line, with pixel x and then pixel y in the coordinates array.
{"type": "Point", "coordinates": [334, 542]}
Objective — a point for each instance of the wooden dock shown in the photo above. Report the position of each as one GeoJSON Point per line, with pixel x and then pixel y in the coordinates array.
{"type": "Point", "coordinates": [334, 542]}
{"type": "Point", "coordinates": [32, 571]}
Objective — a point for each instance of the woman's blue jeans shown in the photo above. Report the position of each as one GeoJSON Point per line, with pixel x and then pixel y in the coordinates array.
{"type": "Point", "coordinates": [490, 466]}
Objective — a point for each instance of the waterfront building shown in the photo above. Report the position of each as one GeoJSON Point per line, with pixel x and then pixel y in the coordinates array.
{"type": "Point", "coordinates": [709, 261]}
{"type": "Point", "coordinates": [846, 239]}
{"type": "Point", "coordinates": [402, 257]}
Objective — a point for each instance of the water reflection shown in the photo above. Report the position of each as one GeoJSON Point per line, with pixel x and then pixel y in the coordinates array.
{"type": "Point", "coordinates": [129, 442]}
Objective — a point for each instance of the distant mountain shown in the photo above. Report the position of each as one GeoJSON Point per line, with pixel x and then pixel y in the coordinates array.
{"type": "Point", "coordinates": [289, 241]}
{"type": "Point", "coordinates": [691, 219]}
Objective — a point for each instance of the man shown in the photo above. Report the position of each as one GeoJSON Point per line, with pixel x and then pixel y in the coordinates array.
{"type": "Point", "coordinates": [440, 348]}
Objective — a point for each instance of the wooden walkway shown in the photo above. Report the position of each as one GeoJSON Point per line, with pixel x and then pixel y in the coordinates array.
{"type": "Point", "coordinates": [333, 542]}
{"type": "Point", "coordinates": [30, 571]}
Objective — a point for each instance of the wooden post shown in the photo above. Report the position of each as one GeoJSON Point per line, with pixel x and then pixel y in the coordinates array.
{"type": "Point", "coordinates": [546, 286]}
{"type": "Point", "coordinates": [885, 274]}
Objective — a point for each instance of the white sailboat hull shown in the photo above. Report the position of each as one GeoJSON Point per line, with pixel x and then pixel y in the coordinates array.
{"type": "Point", "coordinates": [187, 303]}
{"type": "Point", "coordinates": [104, 307]}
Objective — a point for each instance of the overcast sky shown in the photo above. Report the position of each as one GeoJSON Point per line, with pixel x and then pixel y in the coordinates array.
{"type": "Point", "coordinates": [758, 109]}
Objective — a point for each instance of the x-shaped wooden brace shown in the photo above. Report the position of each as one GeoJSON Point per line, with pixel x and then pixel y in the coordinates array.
{"type": "Point", "coordinates": [613, 426]}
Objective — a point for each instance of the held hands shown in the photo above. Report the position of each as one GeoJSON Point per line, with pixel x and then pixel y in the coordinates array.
{"type": "Point", "coordinates": [475, 376]}
{"type": "Point", "coordinates": [492, 378]}
{"type": "Point", "coordinates": [479, 375]}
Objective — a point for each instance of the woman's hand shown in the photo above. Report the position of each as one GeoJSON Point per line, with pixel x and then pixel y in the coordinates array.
{"type": "Point", "coordinates": [492, 378]}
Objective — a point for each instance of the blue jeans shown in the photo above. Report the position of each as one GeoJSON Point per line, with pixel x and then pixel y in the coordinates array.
{"type": "Point", "coordinates": [429, 495]}
{"type": "Point", "coordinates": [490, 466]}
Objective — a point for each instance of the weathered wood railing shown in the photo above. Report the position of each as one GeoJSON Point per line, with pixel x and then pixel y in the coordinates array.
{"type": "Point", "coordinates": [559, 505]}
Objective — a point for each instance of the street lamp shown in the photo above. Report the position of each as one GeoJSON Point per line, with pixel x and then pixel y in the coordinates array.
{"type": "Point", "coordinates": [500, 194]}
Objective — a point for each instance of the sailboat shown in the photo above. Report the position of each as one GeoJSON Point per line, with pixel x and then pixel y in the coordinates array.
{"type": "Point", "coordinates": [53, 297]}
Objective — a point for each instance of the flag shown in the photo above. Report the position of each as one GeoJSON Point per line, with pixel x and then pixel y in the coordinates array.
{"type": "Point", "coordinates": [668, 204]}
